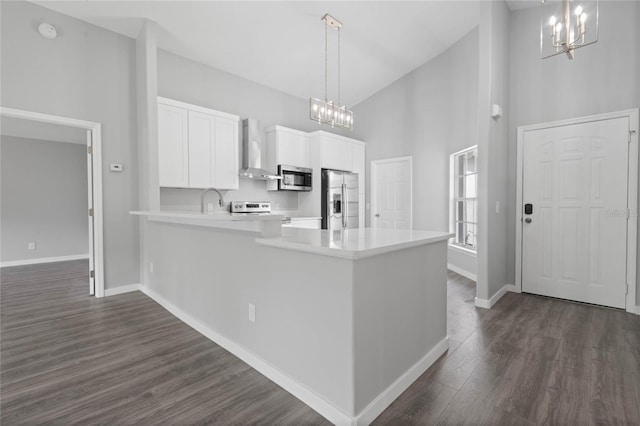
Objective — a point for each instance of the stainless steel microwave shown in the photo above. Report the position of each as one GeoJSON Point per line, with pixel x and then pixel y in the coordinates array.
{"type": "Point", "coordinates": [294, 178]}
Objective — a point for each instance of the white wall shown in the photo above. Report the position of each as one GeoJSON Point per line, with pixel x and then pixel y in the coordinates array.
{"type": "Point", "coordinates": [192, 82]}
{"type": "Point", "coordinates": [86, 73]}
{"type": "Point", "coordinates": [429, 114]}
{"type": "Point", "coordinates": [602, 78]}
{"type": "Point", "coordinates": [492, 148]}
{"type": "Point", "coordinates": [463, 262]}
{"type": "Point", "coordinates": [44, 199]}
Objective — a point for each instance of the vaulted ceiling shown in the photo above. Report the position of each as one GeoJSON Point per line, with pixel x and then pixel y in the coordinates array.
{"type": "Point", "coordinates": [280, 44]}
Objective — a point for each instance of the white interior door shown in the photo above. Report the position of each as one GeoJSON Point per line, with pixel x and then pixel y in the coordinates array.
{"type": "Point", "coordinates": [575, 213]}
{"type": "Point", "coordinates": [391, 189]}
{"type": "Point", "coordinates": [92, 284]}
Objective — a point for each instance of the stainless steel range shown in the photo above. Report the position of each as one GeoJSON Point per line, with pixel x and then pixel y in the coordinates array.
{"type": "Point", "coordinates": [251, 207]}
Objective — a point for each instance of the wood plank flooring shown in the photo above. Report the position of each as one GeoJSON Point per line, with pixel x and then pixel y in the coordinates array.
{"type": "Point", "coordinates": [67, 358]}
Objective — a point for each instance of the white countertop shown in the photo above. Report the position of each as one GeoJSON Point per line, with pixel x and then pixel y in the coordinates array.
{"type": "Point", "coordinates": [266, 225]}
{"type": "Point", "coordinates": [352, 243]}
{"type": "Point", "coordinates": [210, 216]}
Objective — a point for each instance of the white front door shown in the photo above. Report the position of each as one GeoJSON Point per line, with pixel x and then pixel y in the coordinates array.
{"type": "Point", "coordinates": [391, 193]}
{"type": "Point", "coordinates": [574, 196]}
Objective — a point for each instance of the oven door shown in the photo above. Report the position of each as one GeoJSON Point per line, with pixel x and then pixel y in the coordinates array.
{"type": "Point", "coordinates": [294, 178]}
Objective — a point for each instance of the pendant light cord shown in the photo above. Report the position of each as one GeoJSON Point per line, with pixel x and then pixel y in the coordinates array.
{"type": "Point", "coordinates": [339, 101]}
{"type": "Point", "coordinates": [326, 72]}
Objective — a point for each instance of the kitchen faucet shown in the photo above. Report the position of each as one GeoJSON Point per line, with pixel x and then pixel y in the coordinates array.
{"type": "Point", "coordinates": [220, 202]}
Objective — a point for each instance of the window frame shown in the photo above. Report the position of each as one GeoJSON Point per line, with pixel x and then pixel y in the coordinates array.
{"type": "Point", "coordinates": [455, 198]}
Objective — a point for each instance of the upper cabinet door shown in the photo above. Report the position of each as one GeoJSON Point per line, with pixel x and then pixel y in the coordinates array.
{"type": "Point", "coordinates": [225, 161]}
{"type": "Point", "coordinates": [201, 149]}
{"type": "Point", "coordinates": [301, 151]}
{"type": "Point", "coordinates": [286, 147]}
{"type": "Point", "coordinates": [336, 154]}
{"type": "Point", "coordinates": [173, 146]}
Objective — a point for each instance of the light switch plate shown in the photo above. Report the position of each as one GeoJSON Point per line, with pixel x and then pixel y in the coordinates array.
{"type": "Point", "coordinates": [115, 167]}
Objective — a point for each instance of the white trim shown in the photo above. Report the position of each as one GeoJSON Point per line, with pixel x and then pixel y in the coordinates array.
{"type": "Point", "coordinates": [463, 272]}
{"type": "Point", "coordinates": [122, 289]}
{"type": "Point", "coordinates": [96, 179]}
{"type": "Point", "coordinates": [374, 183]}
{"type": "Point", "coordinates": [489, 303]}
{"type": "Point", "coordinates": [298, 390]}
{"type": "Point", "coordinates": [43, 260]}
{"type": "Point", "coordinates": [382, 401]}
{"type": "Point", "coordinates": [197, 108]}
{"type": "Point", "coordinates": [632, 193]}
{"type": "Point", "coordinates": [324, 133]}
{"type": "Point", "coordinates": [463, 250]}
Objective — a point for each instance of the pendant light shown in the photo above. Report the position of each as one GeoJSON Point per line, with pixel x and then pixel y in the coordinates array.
{"type": "Point", "coordinates": [326, 111]}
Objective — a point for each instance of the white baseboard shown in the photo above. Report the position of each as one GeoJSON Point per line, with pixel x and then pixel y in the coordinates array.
{"type": "Point", "coordinates": [462, 272]}
{"type": "Point", "coordinates": [122, 289]}
{"type": "Point", "coordinates": [488, 303]}
{"type": "Point", "coordinates": [378, 405]}
{"type": "Point", "coordinates": [295, 388]}
{"type": "Point", "coordinates": [43, 260]}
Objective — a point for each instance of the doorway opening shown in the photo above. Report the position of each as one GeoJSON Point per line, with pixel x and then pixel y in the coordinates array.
{"type": "Point", "coordinates": [91, 131]}
{"type": "Point", "coordinates": [577, 204]}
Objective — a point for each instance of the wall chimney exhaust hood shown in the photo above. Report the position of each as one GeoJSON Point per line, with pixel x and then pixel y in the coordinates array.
{"type": "Point", "coordinates": [252, 153]}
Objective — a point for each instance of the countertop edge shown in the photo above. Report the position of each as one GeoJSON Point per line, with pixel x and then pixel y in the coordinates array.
{"type": "Point", "coordinates": [346, 253]}
{"type": "Point", "coordinates": [209, 218]}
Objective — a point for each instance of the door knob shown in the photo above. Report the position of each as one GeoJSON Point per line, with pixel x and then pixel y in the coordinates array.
{"type": "Point", "coordinates": [377, 214]}
{"type": "Point", "coordinates": [528, 220]}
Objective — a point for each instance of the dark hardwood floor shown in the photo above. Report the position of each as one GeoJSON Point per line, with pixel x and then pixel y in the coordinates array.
{"type": "Point", "coordinates": [67, 358]}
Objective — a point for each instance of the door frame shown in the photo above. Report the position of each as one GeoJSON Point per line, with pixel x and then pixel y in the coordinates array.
{"type": "Point", "coordinates": [94, 179]}
{"type": "Point", "coordinates": [374, 184]}
{"type": "Point", "coordinates": [632, 193]}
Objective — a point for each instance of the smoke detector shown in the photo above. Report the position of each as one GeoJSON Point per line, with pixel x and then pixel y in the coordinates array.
{"type": "Point", "coordinates": [47, 31]}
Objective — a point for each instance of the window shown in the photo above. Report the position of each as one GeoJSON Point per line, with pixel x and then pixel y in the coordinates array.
{"type": "Point", "coordinates": [464, 191]}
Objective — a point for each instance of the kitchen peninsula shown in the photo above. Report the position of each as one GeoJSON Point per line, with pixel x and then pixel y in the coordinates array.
{"type": "Point", "coordinates": [344, 320]}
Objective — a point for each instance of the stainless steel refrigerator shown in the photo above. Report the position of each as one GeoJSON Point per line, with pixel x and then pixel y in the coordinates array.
{"type": "Point", "coordinates": [339, 200]}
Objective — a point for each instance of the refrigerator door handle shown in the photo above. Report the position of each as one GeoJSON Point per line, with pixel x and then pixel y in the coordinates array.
{"type": "Point", "coordinates": [345, 206]}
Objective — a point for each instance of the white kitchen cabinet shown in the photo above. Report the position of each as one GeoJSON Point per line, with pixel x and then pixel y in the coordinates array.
{"type": "Point", "coordinates": [336, 153]}
{"type": "Point", "coordinates": [173, 146]}
{"type": "Point", "coordinates": [209, 146]}
{"type": "Point", "coordinates": [286, 146]}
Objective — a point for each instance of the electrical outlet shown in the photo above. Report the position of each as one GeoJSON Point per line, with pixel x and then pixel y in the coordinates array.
{"type": "Point", "coordinates": [32, 246]}
{"type": "Point", "coordinates": [210, 207]}
{"type": "Point", "coordinates": [151, 267]}
{"type": "Point", "coordinates": [252, 312]}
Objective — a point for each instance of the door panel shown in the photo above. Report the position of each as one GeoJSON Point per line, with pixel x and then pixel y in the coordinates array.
{"type": "Point", "coordinates": [225, 161]}
{"type": "Point", "coordinates": [574, 241]}
{"type": "Point", "coordinates": [173, 146]}
{"type": "Point", "coordinates": [393, 199]}
{"type": "Point", "coordinates": [201, 140]}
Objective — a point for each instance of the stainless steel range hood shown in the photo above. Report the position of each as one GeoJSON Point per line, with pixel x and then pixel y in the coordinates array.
{"type": "Point", "coordinates": [253, 153]}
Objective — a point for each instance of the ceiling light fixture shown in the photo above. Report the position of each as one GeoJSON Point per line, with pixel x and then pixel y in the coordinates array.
{"type": "Point", "coordinates": [326, 111]}
{"type": "Point", "coordinates": [563, 28]}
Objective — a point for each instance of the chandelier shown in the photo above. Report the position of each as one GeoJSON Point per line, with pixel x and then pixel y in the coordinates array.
{"type": "Point", "coordinates": [564, 28]}
{"type": "Point", "coordinates": [326, 111]}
